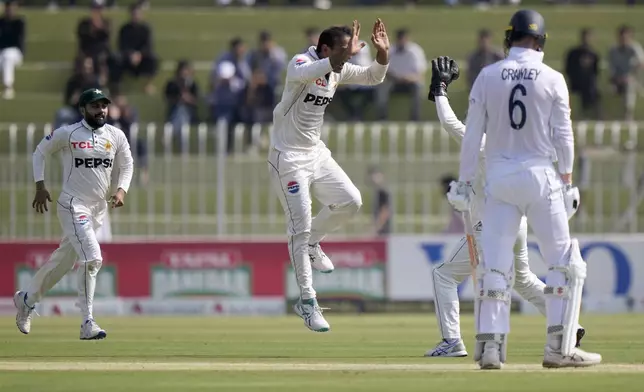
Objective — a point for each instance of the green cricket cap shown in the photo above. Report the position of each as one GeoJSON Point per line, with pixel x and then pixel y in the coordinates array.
{"type": "Point", "coordinates": [92, 95]}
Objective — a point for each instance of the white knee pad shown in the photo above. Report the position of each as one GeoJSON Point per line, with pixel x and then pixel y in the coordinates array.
{"type": "Point", "coordinates": [575, 274]}
{"type": "Point", "coordinates": [352, 206]}
{"type": "Point", "coordinates": [496, 294]}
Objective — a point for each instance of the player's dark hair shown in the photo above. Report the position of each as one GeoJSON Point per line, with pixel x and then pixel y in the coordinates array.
{"type": "Point", "coordinates": [331, 36]}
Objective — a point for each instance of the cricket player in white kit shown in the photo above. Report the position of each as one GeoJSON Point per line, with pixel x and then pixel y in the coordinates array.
{"type": "Point", "coordinates": [300, 163]}
{"type": "Point", "coordinates": [522, 107]}
{"type": "Point", "coordinates": [448, 275]}
{"type": "Point", "coordinates": [89, 149]}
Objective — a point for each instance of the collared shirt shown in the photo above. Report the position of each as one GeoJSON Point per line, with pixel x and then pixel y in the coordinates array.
{"type": "Point", "coordinates": [309, 88]}
{"type": "Point", "coordinates": [88, 157]}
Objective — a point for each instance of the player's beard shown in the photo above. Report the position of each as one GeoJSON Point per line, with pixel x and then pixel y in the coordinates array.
{"type": "Point", "coordinates": [95, 121]}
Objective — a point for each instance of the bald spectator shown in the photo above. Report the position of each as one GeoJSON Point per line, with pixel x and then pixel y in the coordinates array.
{"type": "Point", "coordinates": [406, 75]}
{"type": "Point", "coordinates": [484, 55]}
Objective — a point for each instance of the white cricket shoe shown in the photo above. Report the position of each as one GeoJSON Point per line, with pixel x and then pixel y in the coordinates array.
{"type": "Point", "coordinates": [491, 358]}
{"type": "Point", "coordinates": [448, 348]}
{"type": "Point", "coordinates": [311, 313]}
{"type": "Point", "coordinates": [23, 316]}
{"type": "Point", "coordinates": [579, 358]}
{"type": "Point", "coordinates": [9, 94]}
{"type": "Point", "coordinates": [319, 260]}
{"type": "Point", "coordinates": [91, 331]}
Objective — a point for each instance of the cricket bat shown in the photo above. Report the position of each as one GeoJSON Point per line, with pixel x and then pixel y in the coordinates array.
{"type": "Point", "coordinates": [471, 246]}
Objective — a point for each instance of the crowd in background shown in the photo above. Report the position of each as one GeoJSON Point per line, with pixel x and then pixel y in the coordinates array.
{"type": "Point", "coordinates": [245, 80]}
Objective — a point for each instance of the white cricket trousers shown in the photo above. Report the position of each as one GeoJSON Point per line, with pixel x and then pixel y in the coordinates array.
{"type": "Point", "coordinates": [10, 58]}
{"type": "Point", "coordinates": [79, 221]}
{"type": "Point", "coordinates": [533, 189]}
{"type": "Point", "coordinates": [456, 268]}
{"type": "Point", "coordinates": [294, 177]}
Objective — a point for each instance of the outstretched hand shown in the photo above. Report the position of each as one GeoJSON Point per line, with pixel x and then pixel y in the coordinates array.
{"type": "Point", "coordinates": [444, 71]}
{"type": "Point", "coordinates": [379, 36]}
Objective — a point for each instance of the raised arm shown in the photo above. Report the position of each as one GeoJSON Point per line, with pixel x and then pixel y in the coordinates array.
{"type": "Point", "coordinates": [376, 72]}
{"type": "Point", "coordinates": [561, 126]}
{"type": "Point", "coordinates": [302, 69]}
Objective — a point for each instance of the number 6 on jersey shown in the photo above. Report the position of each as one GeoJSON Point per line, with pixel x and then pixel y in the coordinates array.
{"type": "Point", "coordinates": [514, 103]}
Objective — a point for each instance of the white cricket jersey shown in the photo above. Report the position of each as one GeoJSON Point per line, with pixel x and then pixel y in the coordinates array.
{"type": "Point", "coordinates": [522, 105]}
{"type": "Point", "coordinates": [309, 88]}
{"type": "Point", "coordinates": [88, 156]}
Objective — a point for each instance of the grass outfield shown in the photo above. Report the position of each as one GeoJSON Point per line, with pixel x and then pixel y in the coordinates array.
{"type": "Point", "coordinates": [361, 353]}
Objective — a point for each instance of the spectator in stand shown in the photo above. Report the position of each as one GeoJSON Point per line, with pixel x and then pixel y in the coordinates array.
{"type": "Point", "coordinates": [53, 4]}
{"type": "Point", "coordinates": [484, 55]}
{"type": "Point", "coordinates": [124, 116]}
{"type": "Point", "coordinates": [407, 67]}
{"type": "Point", "coordinates": [260, 98]}
{"type": "Point", "coordinates": [626, 60]}
{"type": "Point", "coordinates": [182, 95]}
{"type": "Point", "coordinates": [270, 57]}
{"type": "Point", "coordinates": [382, 206]}
{"type": "Point", "coordinates": [582, 70]}
{"type": "Point", "coordinates": [93, 35]}
{"type": "Point", "coordinates": [312, 35]}
{"type": "Point", "coordinates": [229, 81]}
{"type": "Point", "coordinates": [355, 97]}
{"type": "Point", "coordinates": [83, 78]}
{"type": "Point", "coordinates": [135, 48]}
{"type": "Point", "coordinates": [12, 46]}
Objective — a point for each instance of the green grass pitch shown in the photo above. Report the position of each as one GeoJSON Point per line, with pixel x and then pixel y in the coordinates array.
{"type": "Point", "coordinates": [361, 353]}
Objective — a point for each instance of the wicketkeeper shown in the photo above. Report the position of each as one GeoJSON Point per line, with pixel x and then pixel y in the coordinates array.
{"type": "Point", "coordinates": [456, 267]}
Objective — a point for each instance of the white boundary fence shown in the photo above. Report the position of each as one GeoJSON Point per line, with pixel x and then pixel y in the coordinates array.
{"type": "Point", "coordinates": [196, 189]}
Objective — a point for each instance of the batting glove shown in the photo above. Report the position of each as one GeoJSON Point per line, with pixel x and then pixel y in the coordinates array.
{"type": "Point", "coordinates": [459, 195]}
{"type": "Point", "coordinates": [571, 200]}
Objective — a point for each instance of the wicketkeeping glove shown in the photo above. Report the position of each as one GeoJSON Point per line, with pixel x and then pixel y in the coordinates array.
{"type": "Point", "coordinates": [444, 71]}
{"type": "Point", "coordinates": [460, 195]}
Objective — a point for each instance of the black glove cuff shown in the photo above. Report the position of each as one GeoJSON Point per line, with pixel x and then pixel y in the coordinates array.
{"type": "Point", "coordinates": [437, 90]}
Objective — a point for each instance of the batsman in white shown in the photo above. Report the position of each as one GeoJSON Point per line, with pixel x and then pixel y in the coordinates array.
{"type": "Point", "coordinates": [89, 150]}
{"type": "Point", "coordinates": [522, 107]}
{"type": "Point", "coordinates": [448, 275]}
{"type": "Point", "coordinates": [300, 163]}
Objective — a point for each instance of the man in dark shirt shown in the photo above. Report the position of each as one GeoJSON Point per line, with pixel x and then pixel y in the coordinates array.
{"type": "Point", "coordinates": [135, 47]}
{"type": "Point", "coordinates": [582, 70]}
{"type": "Point", "coordinates": [93, 35]}
{"type": "Point", "coordinates": [12, 46]}
{"type": "Point", "coordinates": [484, 55]}
{"type": "Point", "coordinates": [382, 212]}
{"type": "Point", "coordinates": [182, 94]}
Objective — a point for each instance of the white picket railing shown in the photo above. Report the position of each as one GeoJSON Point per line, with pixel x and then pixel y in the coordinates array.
{"type": "Point", "coordinates": [196, 189]}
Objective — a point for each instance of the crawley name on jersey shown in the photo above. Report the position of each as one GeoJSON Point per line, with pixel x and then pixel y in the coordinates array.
{"type": "Point", "coordinates": [523, 107]}
{"type": "Point", "coordinates": [309, 88]}
{"type": "Point", "coordinates": [88, 157]}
